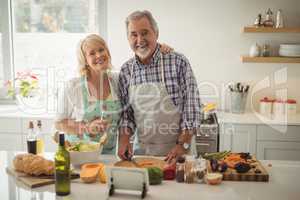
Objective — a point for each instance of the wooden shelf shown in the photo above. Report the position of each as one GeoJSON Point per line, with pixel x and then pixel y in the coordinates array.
{"type": "Point", "coordinates": [252, 29]}
{"type": "Point", "coordinates": [247, 59]}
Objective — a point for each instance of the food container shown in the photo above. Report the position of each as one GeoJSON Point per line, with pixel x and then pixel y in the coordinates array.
{"type": "Point", "coordinates": [81, 157]}
{"type": "Point", "coordinates": [291, 107]}
{"type": "Point", "coordinates": [213, 178]}
{"type": "Point", "coordinates": [279, 108]}
{"type": "Point", "coordinates": [265, 106]}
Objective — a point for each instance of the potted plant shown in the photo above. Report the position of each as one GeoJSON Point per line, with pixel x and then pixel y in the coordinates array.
{"type": "Point", "coordinates": [25, 87]}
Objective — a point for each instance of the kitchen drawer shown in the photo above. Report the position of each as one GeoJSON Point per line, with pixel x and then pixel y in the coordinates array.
{"type": "Point", "coordinates": [10, 125]}
{"type": "Point", "coordinates": [267, 150]}
{"type": "Point", "coordinates": [278, 133]}
{"type": "Point", "coordinates": [47, 125]}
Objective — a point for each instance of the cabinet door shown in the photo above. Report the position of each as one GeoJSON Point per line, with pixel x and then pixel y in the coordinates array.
{"type": "Point", "coordinates": [275, 150]}
{"type": "Point", "coordinates": [239, 138]}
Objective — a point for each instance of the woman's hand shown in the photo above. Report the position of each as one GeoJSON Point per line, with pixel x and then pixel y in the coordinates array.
{"type": "Point", "coordinates": [96, 127]}
{"type": "Point", "coordinates": [164, 48]}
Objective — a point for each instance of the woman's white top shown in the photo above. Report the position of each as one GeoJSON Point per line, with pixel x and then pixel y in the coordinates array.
{"type": "Point", "coordinates": [70, 100]}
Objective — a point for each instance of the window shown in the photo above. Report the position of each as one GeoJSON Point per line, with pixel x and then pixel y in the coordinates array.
{"type": "Point", "coordinates": [45, 34]}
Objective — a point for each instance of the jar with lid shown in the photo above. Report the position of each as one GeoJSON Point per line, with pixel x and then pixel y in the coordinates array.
{"type": "Point", "coordinates": [266, 50]}
{"type": "Point", "coordinates": [265, 106]}
{"type": "Point", "coordinates": [291, 106]}
{"type": "Point", "coordinates": [180, 169]}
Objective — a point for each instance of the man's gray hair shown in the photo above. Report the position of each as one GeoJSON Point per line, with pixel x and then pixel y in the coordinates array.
{"type": "Point", "coordinates": [136, 15]}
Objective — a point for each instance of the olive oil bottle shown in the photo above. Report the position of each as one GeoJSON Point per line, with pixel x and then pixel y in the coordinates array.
{"type": "Point", "coordinates": [62, 168]}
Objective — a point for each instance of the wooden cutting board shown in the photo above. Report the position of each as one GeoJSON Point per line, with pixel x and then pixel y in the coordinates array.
{"type": "Point", "coordinates": [232, 175]}
{"type": "Point", "coordinates": [142, 162]}
{"type": "Point", "coordinates": [34, 181]}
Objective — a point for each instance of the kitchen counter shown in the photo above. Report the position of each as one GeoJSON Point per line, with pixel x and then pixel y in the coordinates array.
{"type": "Point", "coordinates": [256, 118]}
{"type": "Point", "coordinates": [284, 184]}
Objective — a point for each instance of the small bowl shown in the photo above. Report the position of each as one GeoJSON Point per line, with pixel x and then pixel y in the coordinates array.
{"type": "Point", "coordinates": [213, 178]}
{"type": "Point", "coordinates": [81, 157]}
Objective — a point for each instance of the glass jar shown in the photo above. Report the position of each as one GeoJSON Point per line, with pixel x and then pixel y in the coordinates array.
{"type": "Point", "coordinates": [180, 169]}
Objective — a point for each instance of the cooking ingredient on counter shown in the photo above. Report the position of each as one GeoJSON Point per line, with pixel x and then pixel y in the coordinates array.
{"type": "Point", "coordinates": [83, 146]}
{"type": "Point", "coordinates": [216, 155]}
{"type": "Point", "coordinates": [155, 175]}
{"type": "Point", "coordinates": [169, 172]}
{"type": "Point", "coordinates": [40, 138]}
{"type": "Point", "coordinates": [214, 165]}
{"type": "Point", "coordinates": [89, 172]}
{"type": "Point", "coordinates": [180, 169]}
{"type": "Point", "coordinates": [62, 168]}
{"type": "Point", "coordinates": [222, 167]}
{"type": "Point", "coordinates": [190, 171]}
{"type": "Point", "coordinates": [242, 167]}
{"type": "Point", "coordinates": [31, 139]}
{"type": "Point", "coordinates": [33, 164]}
{"type": "Point", "coordinates": [213, 178]}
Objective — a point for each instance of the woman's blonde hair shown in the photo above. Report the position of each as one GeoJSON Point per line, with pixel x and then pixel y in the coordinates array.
{"type": "Point", "coordinates": [90, 40]}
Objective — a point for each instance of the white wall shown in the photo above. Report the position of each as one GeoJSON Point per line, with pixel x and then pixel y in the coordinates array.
{"type": "Point", "coordinates": [208, 32]}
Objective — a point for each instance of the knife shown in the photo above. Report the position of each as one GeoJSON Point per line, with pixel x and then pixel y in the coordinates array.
{"type": "Point", "coordinates": [130, 158]}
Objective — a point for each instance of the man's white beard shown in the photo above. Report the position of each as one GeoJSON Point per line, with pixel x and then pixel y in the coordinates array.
{"type": "Point", "coordinates": [143, 53]}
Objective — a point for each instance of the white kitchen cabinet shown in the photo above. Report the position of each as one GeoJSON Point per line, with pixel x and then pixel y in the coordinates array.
{"type": "Point", "coordinates": [11, 142]}
{"type": "Point", "coordinates": [10, 134]}
{"type": "Point", "coordinates": [272, 150]}
{"type": "Point", "coordinates": [238, 138]}
{"type": "Point", "coordinates": [280, 142]}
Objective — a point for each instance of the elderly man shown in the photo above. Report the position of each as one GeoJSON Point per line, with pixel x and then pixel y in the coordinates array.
{"type": "Point", "coordinates": [159, 95]}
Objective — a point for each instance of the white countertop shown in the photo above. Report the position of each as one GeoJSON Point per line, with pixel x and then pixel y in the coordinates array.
{"type": "Point", "coordinates": [14, 111]}
{"type": "Point", "coordinates": [257, 118]}
{"type": "Point", "coordinates": [283, 184]}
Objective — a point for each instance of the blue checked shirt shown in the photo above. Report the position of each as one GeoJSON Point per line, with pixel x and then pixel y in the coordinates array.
{"type": "Point", "coordinates": [179, 81]}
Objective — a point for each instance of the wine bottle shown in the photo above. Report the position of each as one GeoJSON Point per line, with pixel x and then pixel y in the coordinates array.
{"type": "Point", "coordinates": [62, 168]}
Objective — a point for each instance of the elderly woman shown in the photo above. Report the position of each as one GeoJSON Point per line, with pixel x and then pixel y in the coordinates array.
{"type": "Point", "coordinates": [90, 105]}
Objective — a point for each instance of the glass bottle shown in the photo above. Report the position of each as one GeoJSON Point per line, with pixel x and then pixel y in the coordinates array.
{"type": "Point", "coordinates": [31, 139]}
{"type": "Point", "coordinates": [62, 168]}
{"type": "Point", "coordinates": [266, 50]}
{"type": "Point", "coordinates": [40, 138]}
{"type": "Point", "coordinates": [180, 169]}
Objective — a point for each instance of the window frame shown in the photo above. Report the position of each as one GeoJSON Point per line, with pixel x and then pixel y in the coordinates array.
{"type": "Point", "coordinates": [7, 23]}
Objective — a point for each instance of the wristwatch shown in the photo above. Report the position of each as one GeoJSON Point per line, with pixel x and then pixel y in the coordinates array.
{"type": "Point", "coordinates": [185, 145]}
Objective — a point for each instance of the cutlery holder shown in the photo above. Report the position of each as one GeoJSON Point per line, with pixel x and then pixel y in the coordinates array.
{"type": "Point", "coordinates": [238, 102]}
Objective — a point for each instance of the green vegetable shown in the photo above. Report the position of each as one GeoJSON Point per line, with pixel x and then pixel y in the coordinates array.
{"type": "Point", "coordinates": [216, 155]}
{"type": "Point", "coordinates": [155, 175]}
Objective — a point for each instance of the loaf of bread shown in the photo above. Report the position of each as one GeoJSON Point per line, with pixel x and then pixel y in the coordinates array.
{"type": "Point", "coordinates": [33, 164]}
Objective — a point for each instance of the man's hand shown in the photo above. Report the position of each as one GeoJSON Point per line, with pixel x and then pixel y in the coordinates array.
{"type": "Point", "coordinates": [124, 144]}
{"type": "Point", "coordinates": [177, 151]}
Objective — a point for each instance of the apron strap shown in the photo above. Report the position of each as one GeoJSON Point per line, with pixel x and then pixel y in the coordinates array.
{"type": "Point", "coordinates": [84, 92]}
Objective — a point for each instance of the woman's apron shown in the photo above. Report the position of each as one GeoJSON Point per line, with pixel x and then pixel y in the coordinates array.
{"type": "Point", "coordinates": [106, 109]}
{"type": "Point", "coordinates": [156, 117]}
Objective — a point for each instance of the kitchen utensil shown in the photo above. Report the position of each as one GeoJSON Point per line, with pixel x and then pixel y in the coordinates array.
{"type": "Point", "coordinates": [133, 179]}
{"type": "Point", "coordinates": [34, 181]}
